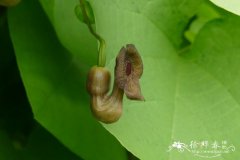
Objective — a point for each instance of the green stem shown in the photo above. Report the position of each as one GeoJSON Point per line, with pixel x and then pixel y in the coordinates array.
{"type": "Point", "coordinates": [101, 51]}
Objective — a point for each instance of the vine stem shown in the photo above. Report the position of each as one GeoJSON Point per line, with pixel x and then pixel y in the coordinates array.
{"type": "Point", "coordinates": [101, 51]}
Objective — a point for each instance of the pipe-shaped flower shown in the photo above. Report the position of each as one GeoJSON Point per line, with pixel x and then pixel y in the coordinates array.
{"type": "Point", "coordinates": [129, 68]}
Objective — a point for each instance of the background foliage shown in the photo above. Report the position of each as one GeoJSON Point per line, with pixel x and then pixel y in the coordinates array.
{"type": "Point", "coordinates": [190, 51]}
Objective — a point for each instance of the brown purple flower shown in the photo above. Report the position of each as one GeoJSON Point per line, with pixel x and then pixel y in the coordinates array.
{"type": "Point", "coordinates": [129, 68]}
{"type": "Point", "coordinates": [128, 71]}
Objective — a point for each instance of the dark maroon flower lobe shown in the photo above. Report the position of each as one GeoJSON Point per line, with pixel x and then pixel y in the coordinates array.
{"type": "Point", "coordinates": [128, 71]}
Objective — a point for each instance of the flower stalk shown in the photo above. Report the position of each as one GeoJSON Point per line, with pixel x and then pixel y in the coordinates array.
{"type": "Point", "coordinates": [102, 44]}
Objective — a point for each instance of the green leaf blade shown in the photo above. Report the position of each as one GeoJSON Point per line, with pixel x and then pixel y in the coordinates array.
{"type": "Point", "coordinates": [55, 85]}
{"type": "Point", "coordinates": [183, 101]}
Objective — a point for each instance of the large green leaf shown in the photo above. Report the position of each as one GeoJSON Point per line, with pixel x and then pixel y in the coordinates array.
{"type": "Point", "coordinates": [188, 98]}
{"type": "Point", "coordinates": [55, 85]}
{"type": "Point", "coordinates": [184, 101]}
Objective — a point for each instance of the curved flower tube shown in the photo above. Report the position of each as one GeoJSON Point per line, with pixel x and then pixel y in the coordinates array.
{"type": "Point", "coordinates": [128, 70]}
